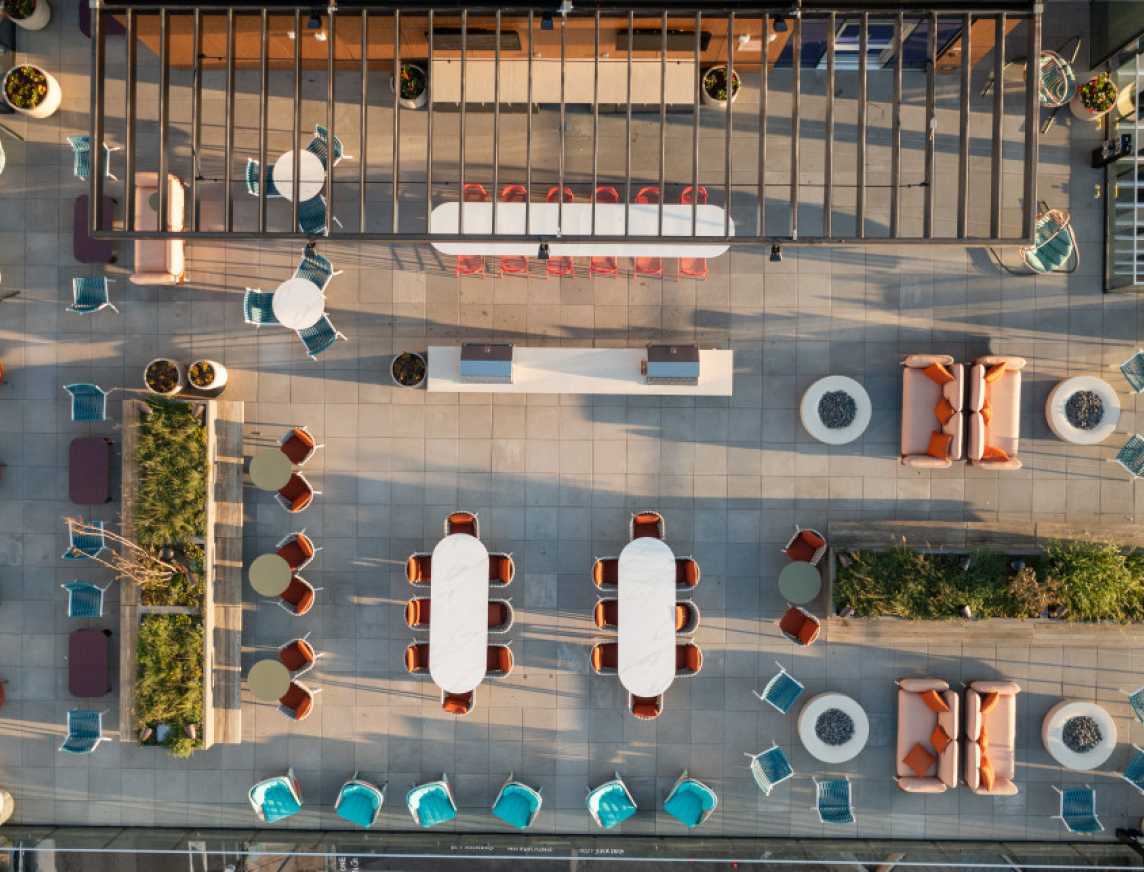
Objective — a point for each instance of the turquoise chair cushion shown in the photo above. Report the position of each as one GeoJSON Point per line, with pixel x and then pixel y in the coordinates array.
{"type": "Point", "coordinates": [689, 802]}
{"type": "Point", "coordinates": [357, 804]}
{"type": "Point", "coordinates": [612, 804]}
{"type": "Point", "coordinates": [277, 800]}
{"type": "Point", "coordinates": [431, 806]}
{"type": "Point", "coordinates": [515, 806]}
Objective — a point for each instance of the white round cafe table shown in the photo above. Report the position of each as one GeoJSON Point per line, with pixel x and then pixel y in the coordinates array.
{"type": "Point", "coordinates": [269, 680]}
{"type": "Point", "coordinates": [459, 613]}
{"type": "Point", "coordinates": [270, 469]}
{"type": "Point", "coordinates": [646, 632]}
{"type": "Point", "coordinates": [311, 175]}
{"type": "Point", "coordinates": [298, 303]}
{"type": "Point", "coordinates": [269, 574]}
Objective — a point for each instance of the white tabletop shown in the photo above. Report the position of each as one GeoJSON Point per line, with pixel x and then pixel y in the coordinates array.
{"type": "Point", "coordinates": [459, 613]}
{"type": "Point", "coordinates": [311, 175]}
{"type": "Point", "coordinates": [647, 616]}
{"type": "Point", "coordinates": [298, 303]}
{"type": "Point", "coordinates": [576, 220]}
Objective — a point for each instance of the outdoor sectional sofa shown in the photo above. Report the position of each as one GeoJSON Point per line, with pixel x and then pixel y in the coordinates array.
{"type": "Point", "coordinates": [998, 721]}
{"type": "Point", "coordinates": [994, 411]}
{"type": "Point", "coordinates": [921, 396]}
{"type": "Point", "coordinates": [158, 261]}
{"type": "Point", "coordinates": [917, 726]}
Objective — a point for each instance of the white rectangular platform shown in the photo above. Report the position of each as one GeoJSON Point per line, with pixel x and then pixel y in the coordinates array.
{"type": "Point", "coordinates": [581, 371]}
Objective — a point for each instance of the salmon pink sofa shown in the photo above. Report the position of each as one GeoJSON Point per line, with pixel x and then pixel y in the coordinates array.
{"type": "Point", "coordinates": [918, 725]}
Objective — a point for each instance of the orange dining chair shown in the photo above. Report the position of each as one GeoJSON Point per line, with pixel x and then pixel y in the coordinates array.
{"type": "Point", "coordinates": [560, 266]}
{"type": "Point", "coordinates": [417, 658]}
{"type": "Point", "coordinates": [459, 704]}
{"type": "Point", "coordinates": [513, 264]}
{"type": "Point", "coordinates": [693, 267]}
{"type": "Point", "coordinates": [605, 265]}
{"type": "Point", "coordinates": [472, 264]}
{"type": "Point", "coordinates": [648, 266]}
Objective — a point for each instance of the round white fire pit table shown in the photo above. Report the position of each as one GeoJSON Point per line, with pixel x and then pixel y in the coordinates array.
{"type": "Point", "coordinates": [818, 705]}
{"type": "Point", "coordinates": [812, 422]}
{"type": "Point", "coordinates": [1052, 734]}
{"type": "Point", "coordinates": [1058, 420]}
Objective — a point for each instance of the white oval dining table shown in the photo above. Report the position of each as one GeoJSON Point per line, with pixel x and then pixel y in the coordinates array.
{"type": "Point", "coordinates": [459, 613]}
{"type": "Point", "coordinates": [646, 632]}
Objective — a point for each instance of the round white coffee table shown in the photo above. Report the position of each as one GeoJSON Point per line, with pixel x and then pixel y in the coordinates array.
{"type": "Point", "coordinates": [1058, 421]}
{"type": "Point", "coordinates": [298, 303]}
{"type": "Point", "coordinates": [311, 175]}
{"type": "Point", "coordinates": [808, 717]}
{"type": "Point", "coordinates": [270, 469]}
{"type": "Point", "coordinates": [1052, 734]}
{"type": "Point", "coordinates": [268, 680]}
{"type": "Point", "coordinates": [813, 424]}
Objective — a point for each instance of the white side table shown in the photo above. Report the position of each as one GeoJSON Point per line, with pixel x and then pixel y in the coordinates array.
{"type": "Point", "coordinates": [1058, 421]}
{"type": "Point", "coordinates": [808, 717]}
{"type": "Point", "coordinates": [311, 175]}
{"type": "Point", "coordinates": [1052, 734]}
{"type": "Point", "coordinates": [812, 423]}
{"type": "Point", "coordinates": [298, 303]}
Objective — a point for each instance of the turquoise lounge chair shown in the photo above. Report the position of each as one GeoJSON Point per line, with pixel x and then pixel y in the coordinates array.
{"type": "Point", "coordinates": [359, 802]}
{"type": "Point", "coordinates": [517, 804]}
{"type": "Point", "coordinates": [85, 732]}
{"type": "Point", "coordinates": [320, 336]}
{"type": "Point", "coordinates": [770, 768]}
{"type": "Point", "coordinates": [1136, 701]}
{"type": "Point", "coordinates": [81, 157]}
{"type": "Point", "coordinates": [1134, 772]}
{"type": "Point", "coordinates": [277, 798]}
{"type": "Point", "coordinates": [1131, 456]}
{"type": "Point", "coordinates": [315, 268]}
{"type": "Point", "coordinates": [1078, 810]}
{"type": "Point", "coordinates": [89, 402]}
{"type": "Point", "coordinates": [90, 294]}
{"type": "Point", "coordinates": [431, 803]}
{"type": "Point", "coordinates": [691, 802]}
{"type": "Point", "coordinates": [83, 544]}
{"type": "Point", "coordinates": [1133, 371]}
{"type": "Point", "coordinates": [832, 801]}
{"type": "Point", "coordinates": [1054, 248]}
{"type": "Point", "coordinates": [611, 803]}
{"type": "Point", "coordinates": [252, 180]}
{"type": "Point", "coordinates": [85, 600]}
{"type": "Point", "coordinates": [258, 307]}
{"type": "Point", "coordinates": [782, 690]}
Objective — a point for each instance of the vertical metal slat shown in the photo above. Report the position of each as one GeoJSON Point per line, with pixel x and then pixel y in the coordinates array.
{"type": "Point", "coordinates": [996, 165]}
{"type": "Point", "coordinates": [363, 121]}
{"type": "Point", "coordinates": [796, 89]}
{"type": "Point", "coordinates": [963, 144]}
{"type": "Point", "coordinates": [129, 140]}
{"type": "Point", "coordinates": [263, 121]}
{"type": "Point", "coordinates": [729, 125]}
{"type": "Point", "coordinates": [896, 131]}
{"type": "Point", "coordinates": [196, 115]}
{"type": "Point", "coordinates": [165, 118]}
{"type": "Point", "coordinates": [331, 74]}
{"type": "Point", "coordinates": [828, 162]}
{"type": "Point", "coordinates": [461, 137]}
{"type": "Point", "coordinates": [697, 98]}
{"type": "Point", "coordinates": [297, 143]}
{"type": "Point", "coordinates": [764, 72]}
{"type": "Point", "coordinates": [396, 117]}
{"type": "Point", "coordinates": [863, 99]}
{"type": "Point", "coordinates": [1032, 127]}
{"type": "Point", "coordinates": [931, 128]}
{"type": "Point", "coordinates": [228, 145]}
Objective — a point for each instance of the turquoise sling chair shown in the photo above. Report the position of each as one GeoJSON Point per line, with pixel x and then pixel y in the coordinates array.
{"type": "Point", "coordinates": [1054, 248]}
{"type": "Point", "coordinates": [360, 802]}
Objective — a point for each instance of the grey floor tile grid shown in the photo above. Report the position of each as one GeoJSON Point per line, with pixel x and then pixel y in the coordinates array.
{"type": "Point", "coordinates": [554, 479]}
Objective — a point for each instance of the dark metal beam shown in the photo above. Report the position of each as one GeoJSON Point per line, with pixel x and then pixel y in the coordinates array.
{"type": "Point", "coordinates": [228, 141]}
{"type": "Point", "coordinates": [931, 128]}
{"type": "Point", "coordinates": [828, 143]}
{"type": "Point", "coordinates": [966, 120]}
{"type": "Point", "coordinates": [560, 194]}
{"type": "Point", "coordinates": [528, 136]}
{"type": "Point", "coordinates": [396, 157]}
{"type": "Point", "coordinates": [698, 99]}
{"type": "Point", "coordinates": [461, 137]}
{"type": "Point", "coordinates": [1032, 128]}
{"type": "Point", "coordinates": [363, 121]}
{"type": "Point", "coordinates": [595, 113]}
{"type": "Point", "coordinates": [662, 119]}
{"type": "Point", "coordinates": [297, 140]}
{"type": "Point", "coordinates": [129, 140]}
{"type": "Point", "coordinates": [896, 131]}
{"type": "Point", "coordinates": [429, 127]}
{"type": "Point", "coordinates": [627, 121]}
{"type": "Point", "coordinates": [196, 114]}
{"type": "Point", "coordinates": [863, 91]}
{"type": "Point", "coordinates": [764, 67]}
{"type": "Point", "coordinates": [496, 124]}
{"type": "Point", "coordinates": [796, 88]}
{"type": "Point", "coordinates": [331, 97]}
{"type": "Point", "coordinates": [263, 120]}
{"type": "Point", "coordinates": [728, 130]}
{"type": "Point", "coordinates": [165, 113]}
{"type": "Point", "coordinates": [996, 165]}
{"type": "Point", "coordinates": [98, 83]}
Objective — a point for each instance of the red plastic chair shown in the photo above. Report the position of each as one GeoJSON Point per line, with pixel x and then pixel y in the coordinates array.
{"type": "Point", "coordinates": [693, 267]}
{"type": "Point", "coordinates": [560, 266]}
{"type": "Point", "coordinates": [513, 265]}
{"type": "Point", "coordinates": [472, 264]}
{"type": "Point", "coordinates": [605, 266]}
{"type": "Point", "coordinates": [648, 266]}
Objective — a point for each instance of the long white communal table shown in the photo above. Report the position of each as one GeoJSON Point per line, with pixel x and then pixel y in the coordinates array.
{"type": "Point", "coordinates": [459, 613]}
{"type": "Point", "coordinates": [545, 221]}
{"type": "Point", "coordinates": [581, 371]}
{"type": "Point", "coordinates": [646, 616]}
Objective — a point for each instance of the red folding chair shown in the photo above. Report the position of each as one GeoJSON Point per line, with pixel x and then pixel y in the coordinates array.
{"type": "Point", "coordinates": [560, 266]}
{"type": "Point", "coordinates": [605, 266]}
{"type": "Point", "coordinates": [693, 267]}
{"type": "Point", "coordinates": [472, 264]}
{"type": "Point", "coordinates": [514, 265]}
{"type": "Point", "coordinates": [648, 266]}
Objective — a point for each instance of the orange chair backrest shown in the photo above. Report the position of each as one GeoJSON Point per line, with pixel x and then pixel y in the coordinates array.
{"type": "Point", "coordinates": [458, 703]}
{"type": "Point", "coordinates": [417, 657]}
{"type": "Point", "coordinates": [647, 707]}
{"type": "Point", "coordinates": [463, 522]}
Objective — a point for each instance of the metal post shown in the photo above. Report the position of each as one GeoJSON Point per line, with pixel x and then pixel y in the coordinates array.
{"type": "Point", "coordinates": [963, 145]}
{"type": "Point", "coordinates": [764, 68]}
{"type": "Point", "coordinates": [165, 115]}
{"type": "Point", "coordinates": [662, 117]}
{"type": "Point", "coordinates": [995, 169]}
{"type": "Point", "coordinates": [628, 129]}
{"type": "Point", "coordinates": [228, 143]}
{"type": "Point", "coordinates": [697, 100]}
{"type": "Point", "coordinates": [931, 128]}
{"type": "Point", "coordinates": [595, 114]}
{"type": "Point", "coordinates": [796, 88]}
{"type": "Point", "coordinates": [863, 48]}
{"type": "Point", "coordinates": [429, 130]}
{"type": "Point", "coordinates": [1032, 128]}
{"type": "Point", "coordinates": [461, 144]}
{"type": "Point", "coordinates": [560, 195]}
{"type": "Point", "coordinates": [263, 120]}
{"type": "Point", "coordinates": [396, 113]}
{"type": "Point", "coordinates": [99, 61]}
{"type": "Point", "coordinates": [331, 37]}
{"type": "Point", "coordinates": [297, 113]}
{"type": "Point", "coordinates": [496, 124]}
{"type": "Point", "coordinates": [363, 121]}
{"type": "Point", "coordinates": [896, 130]}
{"type": "Point", "coordinates": [528, 138]}
{"type": "Point", "coordinates": [129, 140]}
{"type": "Point", "coordinates": [828, 163]}
{"type": "Point", "coordinates": [729, 128]}
{"type": "Point", "coordinates": [196, 115]}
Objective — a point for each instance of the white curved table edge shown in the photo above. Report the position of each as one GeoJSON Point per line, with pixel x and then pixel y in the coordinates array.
{"type": "Point", "coordinates": [452, 671]}
{"type": "Point", "coordinates": [651, 673]}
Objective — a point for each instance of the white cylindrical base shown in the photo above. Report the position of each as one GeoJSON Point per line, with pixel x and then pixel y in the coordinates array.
{"type": "Point", "coordinates": [420, 100]}
{"type": "Point", "coordinates": [220, 376]}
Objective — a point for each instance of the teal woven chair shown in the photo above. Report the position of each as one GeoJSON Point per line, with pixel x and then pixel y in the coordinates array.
{"type": "Point", "coordinates": [782, 690]}
{"type": "Point", "coordinates": [1134, 772]}
{"type": "Point", "coordinates": [1133, 371]}
{"type": "Point", "coordinates": [611, 803]}
{"type": "Point", "coordinates": [90, 294]}
{"type": "Point", "coordinates": [431, 803]}
{"type": "Point", "coordinates": [770, 768]}
{"type": "Point", "coordinates": [691, 802]}
{"type": "Point", "coordinates": [318, 146]}
{"type": "Point", "coordinates": [83, 544]}
{"type": "Point", "coordinates": [832, 801]}
{"type": "Point", "coordinates": [1136, 701]}
{"type": "Point", "coordinates": [277, 798]}
{"type": "Point", "coordinates": [312, 216]}
{"type": "Point", "coordinates": [258, 307]}
{"type": "Point", "coordinates": [85, 600]}
{"type": "Point", "coordinates": [1131, 456]}
{"type": "Point", "coordinates": [360, 802]}
{"type": "Point", "coordinates": [85, 732]}
{"type": "Point", "coordinates": [1054, 248]}
{"type": "Point", "coordinates": [1057, 83]}
{"type": "Point", "coordinates": [517, 804]}
{"type": "Point", "coordinates": [1078, 810]}
{"type": "Point", "coordinates": [315, 268]}
{"type": "Point", "coordinates": [89, 402]}
{"type": "Point", "coordinates": [320, 336]}
{"type": "Point", "coordinates": [81, 157]}
{"type": "Point", "coordinates": [254, 178]}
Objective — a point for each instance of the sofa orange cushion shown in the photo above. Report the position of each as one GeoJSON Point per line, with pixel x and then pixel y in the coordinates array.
{"type": "Point", "coordinates": [992, 452]}
{"type": "Point", "coordinates": [937, 373]}
{"type": "Point", "coordinates": [933, 701]}
{"type": "Point", "coordinates": [939, 445]}
{"type": "Point", "coordinates": [986, 413]}
{"type": "Point", "coordinates": [994, 373]}
{"type": "Point", "coordinates": [919, 760]}
{"type": "Point", "coordinates": [944, 411]}
{"type": "Point", "coordinates": [983, 739]}
{"type": "Point", "coordinates": [986, 772]}
{"type": "Point", "coordinates": [940, 739]}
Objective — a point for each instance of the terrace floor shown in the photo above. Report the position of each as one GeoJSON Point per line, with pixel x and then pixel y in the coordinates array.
{"type": "Point", "coordinates": [554, 479]}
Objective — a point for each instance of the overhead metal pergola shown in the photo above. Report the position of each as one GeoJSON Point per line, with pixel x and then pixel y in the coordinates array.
{"type": "Point", "coordinates": [360, 27]}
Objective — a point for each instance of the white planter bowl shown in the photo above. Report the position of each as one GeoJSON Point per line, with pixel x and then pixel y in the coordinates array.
{"type": "Point", "coordinates": [708, 100]}
{"type": "Point", "coordinates": [421, 99]}
{"type": "Point", "coordinates": [179, 385]}
{"type": "Point", "coordinates": [220, 376]}
{"type": "Point", "coordinates": [50, 103]}
{"type": "Point", "coordinates": [38, 20]}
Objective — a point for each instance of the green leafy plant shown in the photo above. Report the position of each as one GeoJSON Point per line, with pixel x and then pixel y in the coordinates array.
{"type": "Point", "coordinates": [413, 82]}
{"type": "Point", "coordinates": [169, 677]}
{"type": "Point", "coordinates": [19, 9]}
{"type": "Point", "coordinates": [1096, 580]}
{"type": "Point", "coordinates": [171, 462]}
{"type": "Point", "coordinates": [1098, 94]}
{"type": "Point", "coordinates": [25, 86]}
{"type": "Point", "coordinates": [183, 588]}
{"type": "Point", "coordinates": [715, 84]}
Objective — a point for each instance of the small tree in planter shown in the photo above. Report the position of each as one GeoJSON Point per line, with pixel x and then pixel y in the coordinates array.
{"type": "Point", "coordinates": [207, 375]}
{"type": "Point", "coordinates": [1095, 98]}
{"type": "Point", "coordinates": [163, 376]}
{"type": "Point", "coordinates": [28, 14]}
{"type": "Point", "coordinates": [32, 91]}
{"type": "Point", "coordinates": [717, 91]}
{"type": "Point", "coordinates": [408, 369]}
{"type": "Point", "coordinates": [414, 86]}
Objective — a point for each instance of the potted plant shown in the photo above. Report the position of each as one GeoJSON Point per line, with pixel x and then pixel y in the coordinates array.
{"type": "Point", "coordinates": [715, 86]}
{"type": "Point", "coordinates": [163, 376]}
{"type": "Point", "coordinates": [408, 369]}
{"type": "Point", "coordinates": [28, 14]}
{"type": "Point", "coordinates": [1095, 98]}
{"type": "Point", "coordinates": [207, 375]}
{"type": "Point", "coordinates": [32, 91]}
{"type": "Point", "coordinates": [414, 86]}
